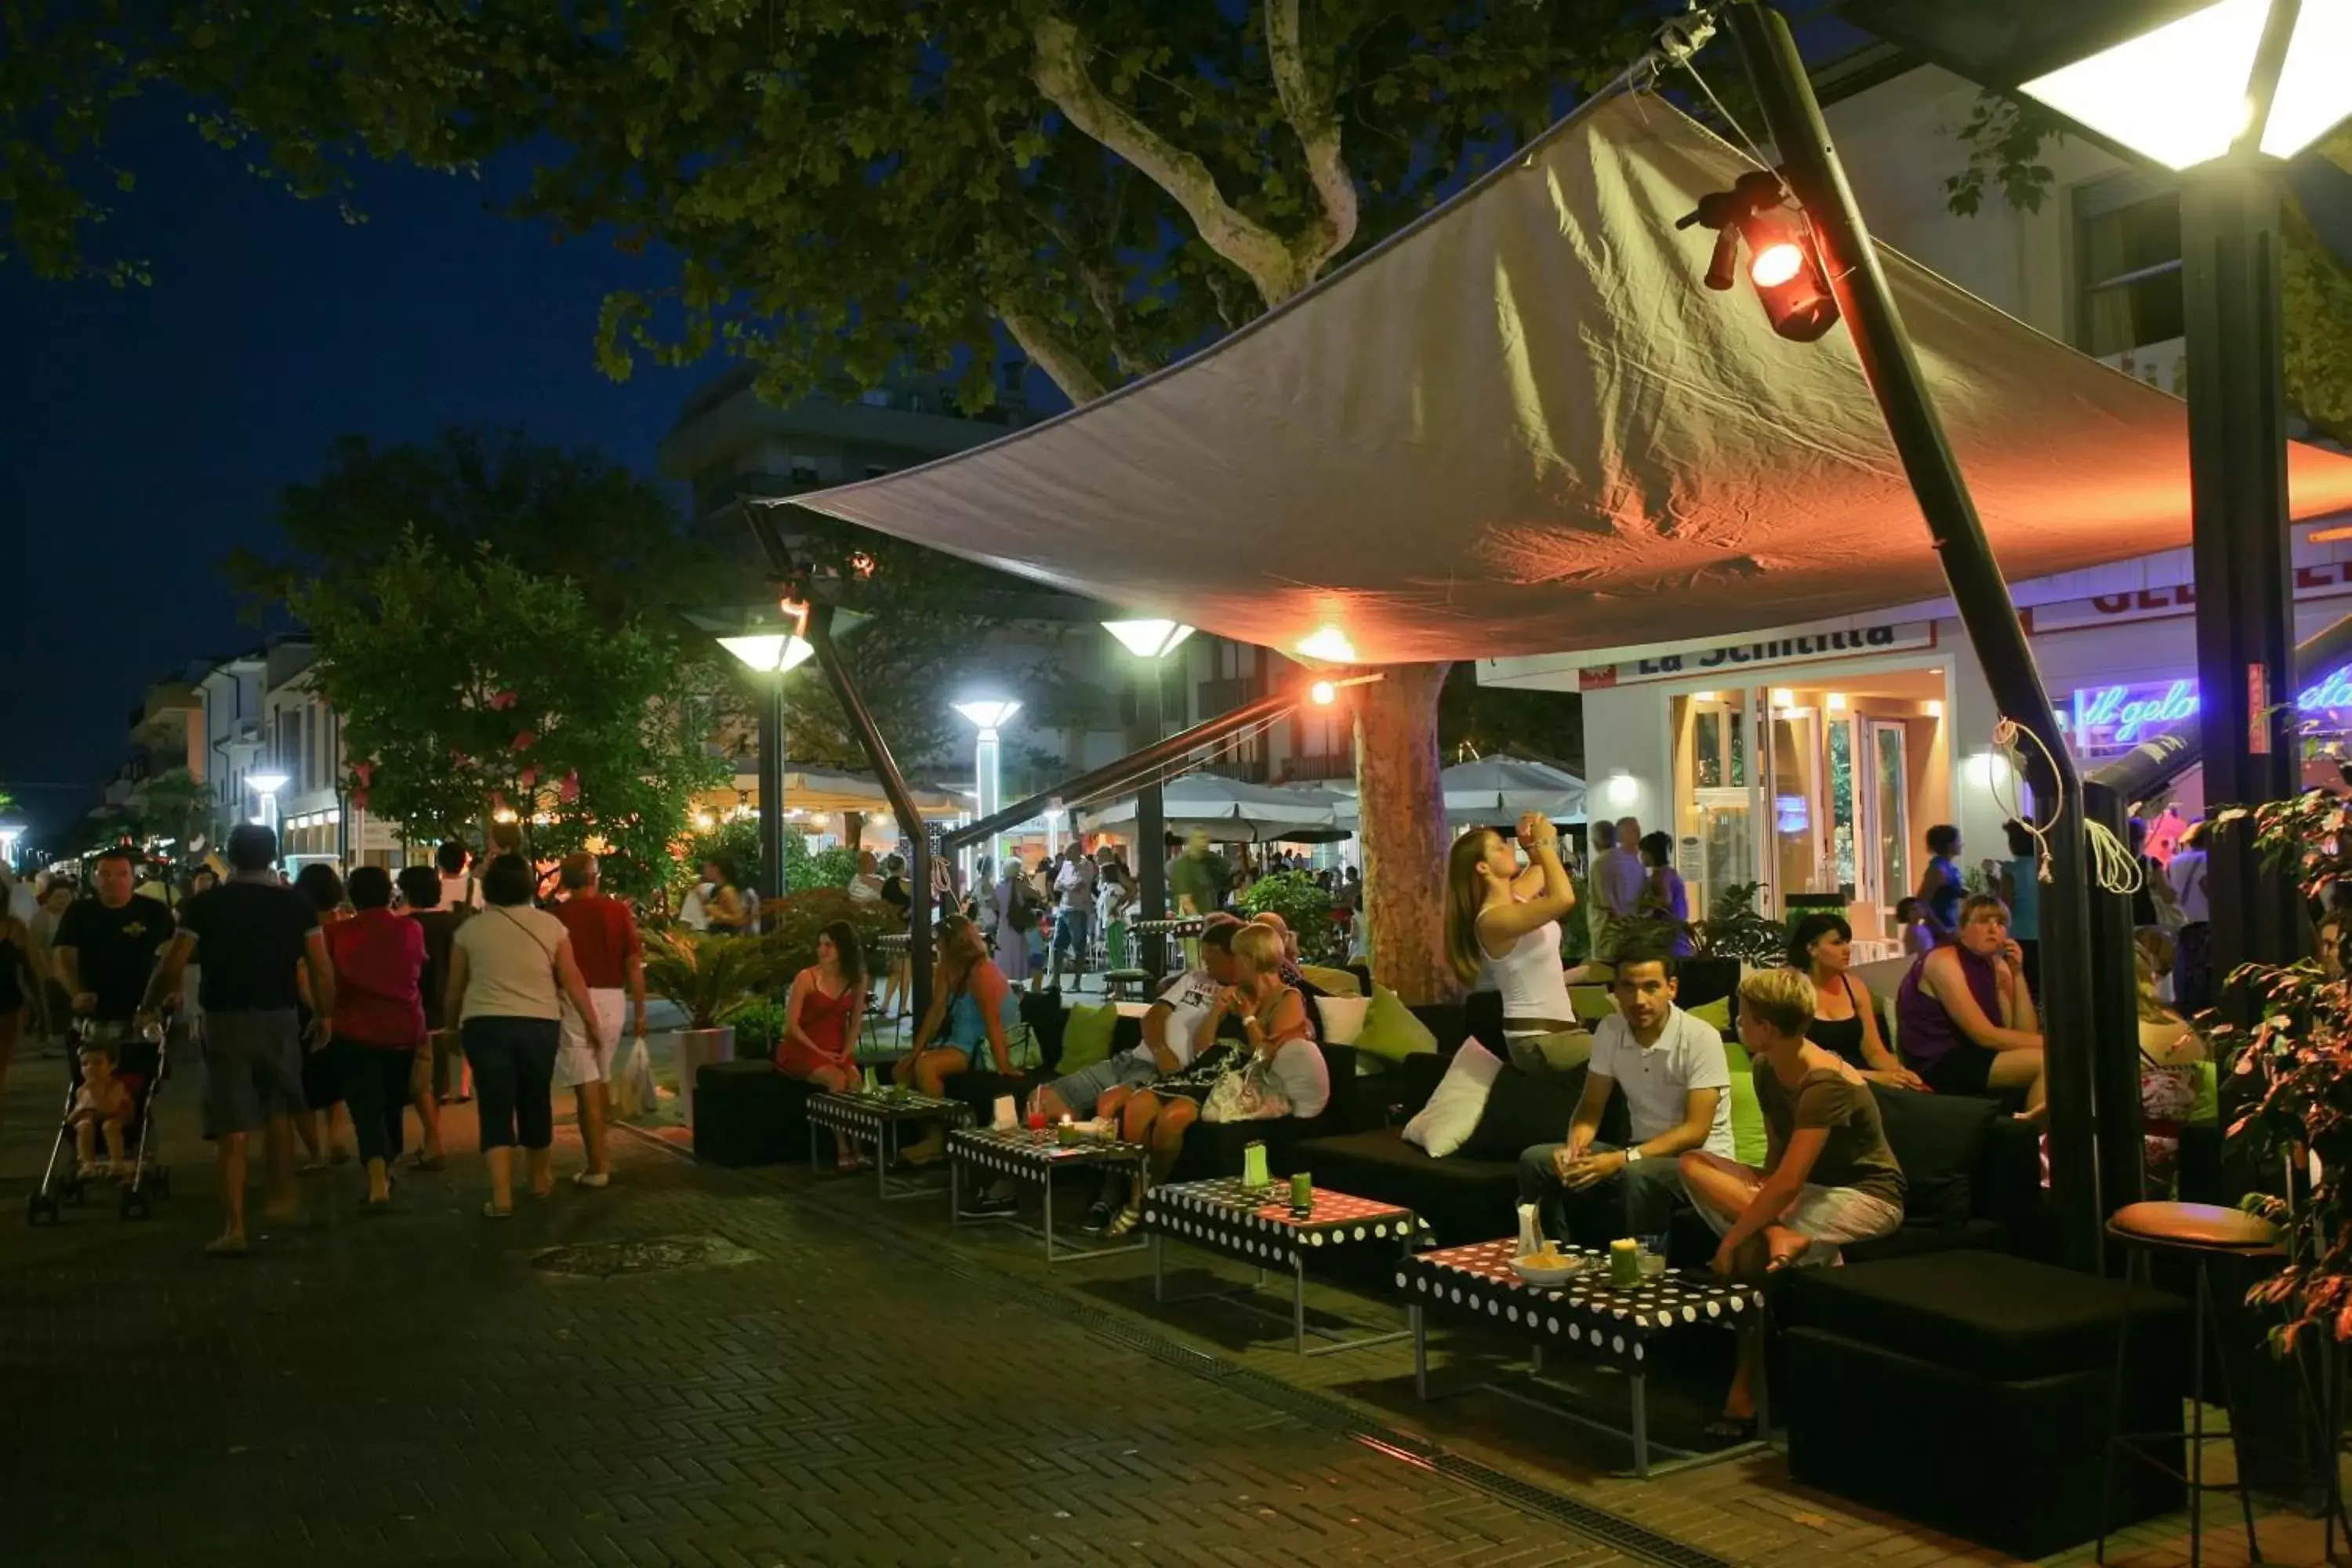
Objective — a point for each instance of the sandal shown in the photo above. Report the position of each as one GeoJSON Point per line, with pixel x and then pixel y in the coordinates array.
{"type": "Point", "coordinates": [1731, 1429]}
{"type": "Point", "coordinates": [425, 1162]}
{"type": "Point", "coordinates": [1127, 1220]}
{"type": "Point", "coordinates": [492, 1211]}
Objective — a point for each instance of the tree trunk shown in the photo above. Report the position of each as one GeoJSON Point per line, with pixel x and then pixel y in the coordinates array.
{"type": "Point", "coordinates": [1402, 827]}
{"type": "Point", "coordinates": [852, 829]}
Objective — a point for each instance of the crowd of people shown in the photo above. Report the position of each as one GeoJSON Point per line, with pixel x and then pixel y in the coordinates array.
{"type": "Point", "coordinates": [328, 1011]}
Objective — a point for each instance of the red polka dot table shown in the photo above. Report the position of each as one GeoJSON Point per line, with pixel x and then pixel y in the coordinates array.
{"type": "Point", "coordinates": [1586, 1317]}
{"type": "Point", "coordinates": [985, 1154]}
{"type": "Point", "coordinates": [877, 1120]}
{"type": "Point", "coordinates": [1258, 1227]}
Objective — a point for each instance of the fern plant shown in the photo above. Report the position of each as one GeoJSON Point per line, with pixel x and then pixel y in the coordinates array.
{"type": "Point", "coordinates": [711, 977]}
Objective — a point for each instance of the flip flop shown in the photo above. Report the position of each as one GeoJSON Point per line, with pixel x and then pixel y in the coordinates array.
{"type": "Point", "coordinates": [492, 1211]}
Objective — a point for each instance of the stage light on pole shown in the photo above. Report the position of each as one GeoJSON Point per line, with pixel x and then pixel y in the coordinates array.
{"type": "Point", "coordinates": [1782, 262]}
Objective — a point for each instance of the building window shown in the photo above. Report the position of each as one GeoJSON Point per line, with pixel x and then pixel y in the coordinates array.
{"type": "Point", "coordinates": [875, 397]}
{"type": "Point", "coordinates": [2126, 264]}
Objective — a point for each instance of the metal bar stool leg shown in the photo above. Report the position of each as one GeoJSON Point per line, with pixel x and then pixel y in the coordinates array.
{"type": "Point", "coordinates": [2134, 1267]}
{"type": "Point", "coordinates": [2208, 1310]}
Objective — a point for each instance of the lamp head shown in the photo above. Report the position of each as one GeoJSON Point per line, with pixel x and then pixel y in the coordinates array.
{"type": "Point", "coordinates": [266, 783]}
{"type": "Point", "coordinates": [770, 652]}
{"type": "Point", "coordinates": [988, 716]}
{"type": "Point", "coordinates": [1148, 639]}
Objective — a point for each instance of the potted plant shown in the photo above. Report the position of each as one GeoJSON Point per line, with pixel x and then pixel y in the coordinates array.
{"type": "Point", "coordinates": [1734, 937]}
{"type": "Point", "coordinates": [711, 978]}
{"type": "Point", "coordinates": [2283, 1075]}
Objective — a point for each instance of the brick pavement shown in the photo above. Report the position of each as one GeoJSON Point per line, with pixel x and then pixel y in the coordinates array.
{"type": "Point", "coordinates": [411, 1389]}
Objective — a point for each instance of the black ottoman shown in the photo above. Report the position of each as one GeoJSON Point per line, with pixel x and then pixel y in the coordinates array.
{"type": "Point", "coordinates": [1968, 1390]}
{"type": "Point", "coordinates": [748, 1113]}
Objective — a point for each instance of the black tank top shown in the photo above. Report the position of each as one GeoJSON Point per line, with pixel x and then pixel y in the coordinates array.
{"type": "Point", "coordinates": [1842, 1036]}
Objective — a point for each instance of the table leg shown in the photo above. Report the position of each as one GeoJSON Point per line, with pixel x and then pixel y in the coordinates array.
{"type": "Point", "coordinates": [1420, 1349]}
{"type": "Point", "coordinates": [1159, 1245]}
{"type": "Point", "coordinates": [1049, 1216]}
{"type": "Point", "coordinates": [1538, 1368]}
{"type": "Point", "coordinates": [1299, 1302]}
{"type": "Point", "coordinates": [1640, 1386]}
{"type": "Point", "coordinates": [955, 1193]}
{"type": "Point", "coordinates": [883, 1150]}
{"type": "Point", "coordinates": [1763, 1384]}
{"type": "Point", "coordinates": [816, 1167]}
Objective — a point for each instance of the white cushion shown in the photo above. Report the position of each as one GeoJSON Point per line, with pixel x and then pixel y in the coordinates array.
{"type": "Point", "coordinates": [1444, 1124]}
{"type": "Point", "coordinates": [1343, 1017]}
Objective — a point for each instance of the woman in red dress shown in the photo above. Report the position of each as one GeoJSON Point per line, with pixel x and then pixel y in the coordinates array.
{"type": "Point", "coordinates": [821, 1018]}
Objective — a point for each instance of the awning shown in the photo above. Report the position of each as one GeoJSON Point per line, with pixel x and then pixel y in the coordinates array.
{"type": "Point", "coordinates": [1497, 791]}
{"type": "Point", "coordinates": [1229, 810]}
{"type": "Point", "coordinates": [823, 790]}
{"type": "Point", "coordinates": [1522, 427]}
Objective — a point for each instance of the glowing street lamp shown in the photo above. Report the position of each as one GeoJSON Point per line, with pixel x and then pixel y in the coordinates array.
{"type": "Point", "coordinates": [9, 832]}
{"type": "Point", "coordinates": [267, 786]}
{"type": "Point", "coordinates": [1148, 639]}
{"type": "Point", "coordinates": [769, 653]}
{"type": "Point", "coordinates": [988, 776]}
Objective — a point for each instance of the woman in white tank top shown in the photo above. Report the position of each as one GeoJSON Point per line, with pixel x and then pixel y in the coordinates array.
{"type": "Point", "coordinates": [1505, 919]}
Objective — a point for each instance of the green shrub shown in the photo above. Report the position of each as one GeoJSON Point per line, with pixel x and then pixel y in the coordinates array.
{"type": "Point", "coordinates": [1304, 906]}
{"type": "Point", "coordinates": [794, 919]}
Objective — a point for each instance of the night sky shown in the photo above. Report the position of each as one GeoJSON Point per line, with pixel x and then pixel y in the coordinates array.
{"type": "Point", "coordinates": [145, 432]}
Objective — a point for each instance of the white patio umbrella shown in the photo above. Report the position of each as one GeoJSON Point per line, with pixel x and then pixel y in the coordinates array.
{"type": "Point", "coordinates": [1497, 791]}
{"type": "Point", "coordinates": [1229, 810]}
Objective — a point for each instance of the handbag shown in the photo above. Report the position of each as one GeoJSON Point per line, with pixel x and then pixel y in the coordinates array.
{"type": "Point", "coordinates": [1243, 1095]}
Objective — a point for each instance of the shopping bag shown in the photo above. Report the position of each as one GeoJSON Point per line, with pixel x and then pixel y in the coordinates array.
{"type": "Point", "coordinates": [633, 1080]}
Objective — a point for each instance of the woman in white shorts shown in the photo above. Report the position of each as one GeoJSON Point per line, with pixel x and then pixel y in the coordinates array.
{"type": "Point", "coordinates": [1828, 1179]}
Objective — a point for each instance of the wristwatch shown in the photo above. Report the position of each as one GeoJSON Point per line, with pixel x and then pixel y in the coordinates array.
{"type": "Point", "coordinates": [1633, 1153]}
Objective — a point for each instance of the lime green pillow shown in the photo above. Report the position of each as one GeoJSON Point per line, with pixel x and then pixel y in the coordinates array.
{"type": "Point", "coordinates": [1332, 981]}
{"type": "Point", "coordinates": [1592, 1002]}
{"type": "Point", "coordinates": [2206, 1111]}
{"type": "Point", "coordinates": [1748, 1142]}
{"type": "Point", "coordinates": [1086, 1037]}
{"type": "Point", "coordinates": [1390, 1030]}
{"type": "Point", "coordinates": [1716, 1014]}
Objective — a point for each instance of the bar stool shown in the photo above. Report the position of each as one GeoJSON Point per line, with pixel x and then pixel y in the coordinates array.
{"type": "Point", "coordinates": [2201, 1232]}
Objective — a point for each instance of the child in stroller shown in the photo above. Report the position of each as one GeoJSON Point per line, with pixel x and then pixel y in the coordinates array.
{"type": "Point", "coordinates": [102, 1109]}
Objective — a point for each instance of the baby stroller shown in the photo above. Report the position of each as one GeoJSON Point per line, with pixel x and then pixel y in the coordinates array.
{"type": "Point", "coordinates": [61, 1181]}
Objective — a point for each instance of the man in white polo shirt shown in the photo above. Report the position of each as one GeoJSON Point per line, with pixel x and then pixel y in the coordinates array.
{"type": "Point", "coordinates": [1677, 1084]}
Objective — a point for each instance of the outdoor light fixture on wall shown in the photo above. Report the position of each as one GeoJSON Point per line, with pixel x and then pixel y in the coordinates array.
{"type": "Point", "coordinates": [1623, 788]}
{"type": "Point", "coordinates": [1782, 261]}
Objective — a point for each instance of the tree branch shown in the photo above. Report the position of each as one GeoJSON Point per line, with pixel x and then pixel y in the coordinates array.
{"type": "Point", "coordinates": [1059, 71]}
{"type": "Point", "coordinates": [1309, 109]}
{"type": "Point", "coordinates": [1053, 352]}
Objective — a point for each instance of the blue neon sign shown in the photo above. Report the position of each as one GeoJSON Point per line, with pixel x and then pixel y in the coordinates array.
{"type": "Point", "coordinates": [2114, 716]}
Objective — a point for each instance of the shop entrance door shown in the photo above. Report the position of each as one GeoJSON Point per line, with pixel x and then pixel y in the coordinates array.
{"type": "Point", "coordinates": [1795, 793]}
{"type": "Point", "coordinates": [1885, 823]}
{"type": "Point", "coordinates": [1726, 793]}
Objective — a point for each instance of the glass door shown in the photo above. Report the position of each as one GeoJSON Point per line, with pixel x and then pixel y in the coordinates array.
{"type": "Point", "coordinates": [1844, 807]}
{"type": "Point", "coordinates": [1887, 818]}
{"type": "Point", "coordinates": [1723, 794]}
{"type": "Point", "coordinates": [1794, 762]}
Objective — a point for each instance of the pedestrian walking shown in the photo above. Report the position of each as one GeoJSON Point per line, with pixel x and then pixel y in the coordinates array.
{"type": "Point", "coordinates": [325, 1124]}
{"type": "Point", "coordinates": [510, 972]}
{"type": "Point", "coordinates": [378, 1022]}
{"type": "Point", "coordinates": [24, 991]}
{"type": "Point", "coordinates": [255, 934]}
{"type": "Point", "coordinates": [611, 956]}
{"type": "Point", "coordinates": [439, 1062]}
{"type": "Point", "coordinates": [105, 954]}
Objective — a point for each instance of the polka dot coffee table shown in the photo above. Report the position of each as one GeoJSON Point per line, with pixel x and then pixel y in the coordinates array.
{"type": "Point", "coordinates": [876, 1120]}
{"type": "Point", "coordinates": [1585, 1316]}
{"type": "Point", "coordinates": [1258, 1227]}
{"type": "Point", "coordinates": [986, 1154]}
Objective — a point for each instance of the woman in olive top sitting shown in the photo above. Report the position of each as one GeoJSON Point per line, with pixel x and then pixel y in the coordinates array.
{"type": "Point", "coordinates": [1845, 1016]}
{"type": "Point", "coordinates": [1828, 1179]}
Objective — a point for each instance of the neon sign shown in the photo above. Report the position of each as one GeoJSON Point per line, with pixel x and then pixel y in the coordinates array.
{"type": "Point", "coordinates": [2111, 717]}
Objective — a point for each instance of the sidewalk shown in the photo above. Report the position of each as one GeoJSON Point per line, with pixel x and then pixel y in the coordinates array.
{"type": "Point", "coordinates": [751, 1381]}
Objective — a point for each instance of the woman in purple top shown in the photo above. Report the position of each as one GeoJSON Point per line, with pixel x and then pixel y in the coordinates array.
{"type": "Point", "coordinates": [1963, 1020]}
{"type": "Point", "coordinates": [1663, 891]}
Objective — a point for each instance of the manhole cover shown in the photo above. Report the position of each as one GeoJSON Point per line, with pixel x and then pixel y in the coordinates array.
{"type": "Point", "coordinates": [648, 1255]}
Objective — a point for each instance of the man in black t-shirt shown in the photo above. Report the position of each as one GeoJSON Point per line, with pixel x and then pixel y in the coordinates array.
{"type": "Point", "coordinates": [105, 948]}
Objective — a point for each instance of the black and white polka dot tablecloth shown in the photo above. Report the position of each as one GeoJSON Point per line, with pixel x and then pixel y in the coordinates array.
{"type": "Point", "coordinates": [1018, 1152]}
{"type": "Point", "coordinates": [1586, 1314]}
{"type": "Point", "coordinates": [865, 1115]}
{"type": "Point", "coordinates": [1258, 1227]}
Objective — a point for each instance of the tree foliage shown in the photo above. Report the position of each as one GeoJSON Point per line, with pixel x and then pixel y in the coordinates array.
{"type": "Point", "coordinates": [2005, 138]}
{"type": "Point", "coordinates": [469, 687]}
{"type": "Point", "coordinates": [174, 804]}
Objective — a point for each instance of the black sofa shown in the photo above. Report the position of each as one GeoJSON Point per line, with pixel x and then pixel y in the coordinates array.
{"type": "Point", "coordinates": [1974, 1173]}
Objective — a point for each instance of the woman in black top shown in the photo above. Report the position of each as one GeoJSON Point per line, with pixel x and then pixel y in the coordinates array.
{"type": "Point", "coordinates": [897, 987]}
{"type": "Point", "coordinates": [1845, 1017]}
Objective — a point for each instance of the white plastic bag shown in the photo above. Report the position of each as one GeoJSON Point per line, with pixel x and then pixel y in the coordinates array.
{"type": "Point", "coordinates": [633, 1080]}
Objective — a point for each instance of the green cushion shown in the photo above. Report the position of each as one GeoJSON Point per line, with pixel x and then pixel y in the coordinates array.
{"type": "Point", "coordinates": [1390, 1030]}
{"type": "Point", "coordinates": [1086, 1037]}
{"type": "Point", "coordinates": [1592, 1002]}
{"type": "Point", "coordinates": [1717, 1013]}
{"type": "Point", "coordinates": [1332, 981]}
{"type": "Point", "coordinates": [1748, 1143]}
{"type": "Point", "coordinates": [2206, 1110]}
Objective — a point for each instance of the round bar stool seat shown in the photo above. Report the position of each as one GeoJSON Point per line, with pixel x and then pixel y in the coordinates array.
{"type": "Point", "coordinates": [2204, 1226]}
{"type": "Point", "coordinates": [2201, 1232]}
{"type": "Point", "coordinates": [1126, 984]}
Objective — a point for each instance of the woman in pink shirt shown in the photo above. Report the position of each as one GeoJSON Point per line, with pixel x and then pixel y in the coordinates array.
{"type": "Point", "coordinates": [379, 1020]}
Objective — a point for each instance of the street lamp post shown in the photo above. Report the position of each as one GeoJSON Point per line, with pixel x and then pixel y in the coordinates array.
{"type": "Point", "coordinates": [267, 786]}
{"type": "Point", "coordinates": [772, 654]}
{"type": "Point", "coordinates": [2221, 92]}
{"type": "Point", "coordinates": [1150, 641]}
{"type": "Point", "coordinates": [987, 769]}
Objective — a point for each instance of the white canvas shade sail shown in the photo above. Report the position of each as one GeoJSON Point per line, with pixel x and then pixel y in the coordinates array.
{"type": "Point", "coordinates": [1523, 427]}
{"type": "Point", "coordinates": [1496, 792]}
{"type": "Point", "coordinates": [1228, 810]}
